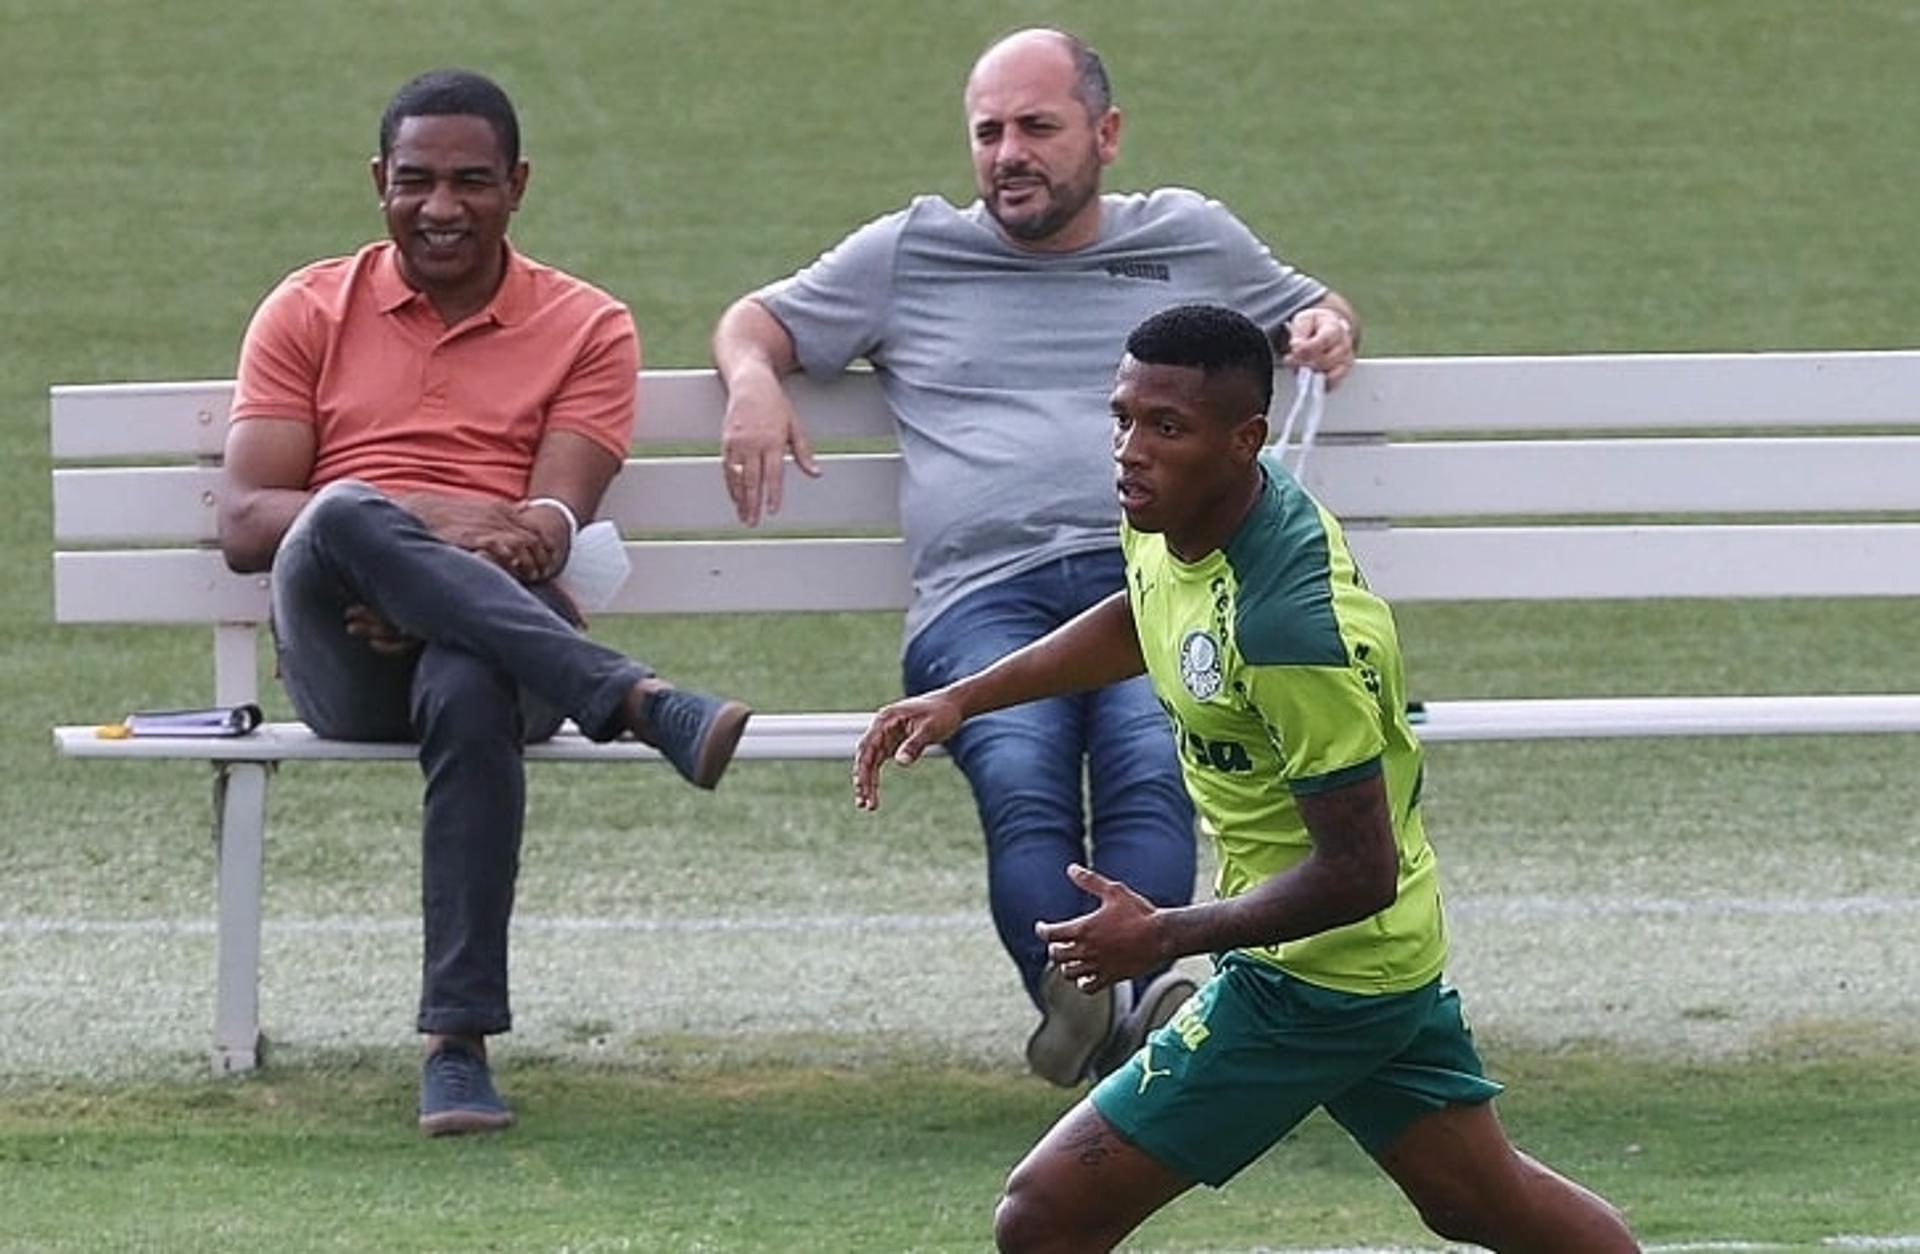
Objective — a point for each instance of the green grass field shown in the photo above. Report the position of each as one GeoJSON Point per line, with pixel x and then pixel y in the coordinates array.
{"type": "Point", "coordinates": [760, 1021]}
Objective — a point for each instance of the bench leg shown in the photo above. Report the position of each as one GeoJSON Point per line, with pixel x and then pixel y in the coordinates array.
{"type": "Point", "coordinates": [239, 831]}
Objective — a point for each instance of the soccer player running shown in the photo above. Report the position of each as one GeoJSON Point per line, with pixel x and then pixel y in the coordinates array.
{"type": "Point", "coordinates": [1282, 676]}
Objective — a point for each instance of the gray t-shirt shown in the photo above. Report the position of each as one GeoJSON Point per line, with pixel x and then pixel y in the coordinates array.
{"type": "Point", "coordinates": [997, 363]}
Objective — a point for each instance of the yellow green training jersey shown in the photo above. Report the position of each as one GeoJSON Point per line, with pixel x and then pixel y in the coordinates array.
{"type": "Point", "coordinates": [1282, 675]}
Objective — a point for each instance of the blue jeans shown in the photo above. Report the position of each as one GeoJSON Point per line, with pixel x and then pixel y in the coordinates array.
{"type": "Point", "coordinates": [499, 665]}
{"type": "Point", "coordinates": [1026, 764]}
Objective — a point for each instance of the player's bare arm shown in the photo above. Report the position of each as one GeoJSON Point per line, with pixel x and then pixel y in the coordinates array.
{"type": "Point", "coordinates": [753, 352]}
{"type": "Point", "coordinates": [1351, 873]}
{"type": "Point", "coordinates": [1091, 651]}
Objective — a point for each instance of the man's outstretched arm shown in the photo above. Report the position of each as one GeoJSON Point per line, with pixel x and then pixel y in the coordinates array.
{"type": "Point", "coordinates": [1093, 650]}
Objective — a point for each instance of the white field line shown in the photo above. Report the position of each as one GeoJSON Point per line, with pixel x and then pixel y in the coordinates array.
{"type": "Point", "coordinates": [554, 924]}
{"type": "Point", "coordinates": [1732, 1246]}
{"type": "Point", "coordinates": [1849, 1242]}
{"type": "Point", "coordinates": [1492, 908]}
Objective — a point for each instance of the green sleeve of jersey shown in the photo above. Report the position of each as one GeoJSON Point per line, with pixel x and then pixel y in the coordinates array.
{"type": "Point", "coordinates": [1324, 721]}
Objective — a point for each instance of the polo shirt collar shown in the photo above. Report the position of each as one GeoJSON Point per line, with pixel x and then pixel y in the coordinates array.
{"type": "Point", "coordinates": [512, 299]}
{"type": "Point", "coordinates": [509, 304]}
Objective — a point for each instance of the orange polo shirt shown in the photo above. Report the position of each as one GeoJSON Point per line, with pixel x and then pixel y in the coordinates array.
{"type": "Point", "coordinates": [409, 404]}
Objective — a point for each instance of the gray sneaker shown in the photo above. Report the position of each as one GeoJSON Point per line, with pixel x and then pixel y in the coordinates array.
{"type": "Point", "coordinates": [1073, 1026]}
{"type": "Point", "coordinates": [1158, 1002]}
{"type": "Point", "coordinates": [695, 731]}
{"type": "Point", "coordinates": [457, 1094]}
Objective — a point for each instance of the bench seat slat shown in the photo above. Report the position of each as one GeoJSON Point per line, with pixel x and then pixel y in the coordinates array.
{"type": "Point", "coordinates": [1556, 718]}
{"type": "Point", "coordinates": [769, 737]}
{"type": "Point", "coordinates": [829, 737]}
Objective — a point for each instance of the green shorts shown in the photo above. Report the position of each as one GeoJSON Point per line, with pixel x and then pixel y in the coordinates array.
{"type": "Point", "coordinates": [1255, 1050]}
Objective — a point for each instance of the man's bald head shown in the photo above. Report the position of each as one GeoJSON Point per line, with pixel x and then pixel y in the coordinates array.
{"type": "Point", "coordinates": [1035, 45]}
{"type": "Point", "coordinates": [1039, 141]}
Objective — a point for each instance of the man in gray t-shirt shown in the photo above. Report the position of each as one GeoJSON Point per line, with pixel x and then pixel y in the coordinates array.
{"type": "Point", "coordinates": [995, 330]}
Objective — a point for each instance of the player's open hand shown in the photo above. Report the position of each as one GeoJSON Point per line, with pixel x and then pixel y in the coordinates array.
{"type": "Point", "coordinates": [901, 731]}
{"type": "Point", "coordinates": [1117, 941]}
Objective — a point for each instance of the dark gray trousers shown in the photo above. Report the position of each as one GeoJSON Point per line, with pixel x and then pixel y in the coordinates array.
{"type": "Point", "coordinates": [499, 666]}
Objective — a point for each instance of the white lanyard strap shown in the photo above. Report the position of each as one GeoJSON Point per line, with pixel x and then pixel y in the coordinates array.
{"type": "Point", "coordinates": [1309, 406]}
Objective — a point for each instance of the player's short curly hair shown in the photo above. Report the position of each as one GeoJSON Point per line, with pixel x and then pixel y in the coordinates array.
{"type": "Point", "coordinates": [1212, 338]}
{"type": "Point", "coordinates": [446, 93]}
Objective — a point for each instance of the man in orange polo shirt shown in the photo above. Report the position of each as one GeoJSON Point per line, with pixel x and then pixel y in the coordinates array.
{"type": "Point", "coordinates": [418, 431]}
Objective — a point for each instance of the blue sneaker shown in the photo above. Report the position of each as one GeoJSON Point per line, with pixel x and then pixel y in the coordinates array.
{"type": "Point", "coordinates": [457, 1094]}
{"type": "Point", "coordinates": [695, 731]}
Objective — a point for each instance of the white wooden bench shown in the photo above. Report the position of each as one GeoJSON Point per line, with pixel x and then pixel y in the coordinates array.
{"type": "Point", "coordinates": [1462, 479]}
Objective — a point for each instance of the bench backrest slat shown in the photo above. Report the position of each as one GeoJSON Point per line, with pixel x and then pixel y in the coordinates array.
{"type": "Point", "coordinates": [669, 577]}
{"type": "Point", "coordinates": [1407, 564]}
{"type": "Point", "coordinates": [1561, 444]}
{"type": "Point", "coordinates": [1399, 395]}
{"type": "Point", "coordinates": [175, 504]}
{"type": "Point", "coordinates": [1845, 474]}
{"type": "Point", "coordinates": [1627, 563]}
{"type": "Point", "coordinates": [96, 420]}
{"type": "Point", "coordinates": [190, 419]}
{"type": "Point", "coordinates": [856, 491]}
{"type": "Point", "coordinates": [1653, 390]}
{"type": "Point", "coordinates": [1427, 479]}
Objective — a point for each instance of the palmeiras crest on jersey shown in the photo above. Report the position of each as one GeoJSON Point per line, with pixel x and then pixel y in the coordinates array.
{"type": "Point", "coordinates": [1200, 665]}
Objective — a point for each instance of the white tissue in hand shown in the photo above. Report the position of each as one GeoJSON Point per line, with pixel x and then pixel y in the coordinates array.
{"type": "Point", "coordinates": [597, 566]}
